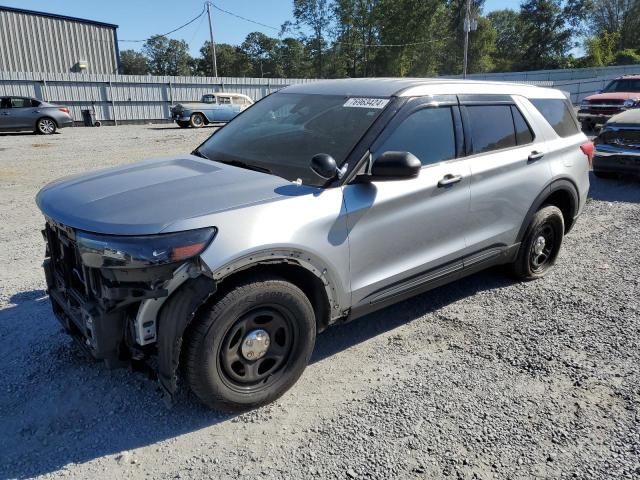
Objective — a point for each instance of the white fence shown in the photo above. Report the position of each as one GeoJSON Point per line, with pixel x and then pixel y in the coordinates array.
{"type": "Point", "coordinates": [136, 98]}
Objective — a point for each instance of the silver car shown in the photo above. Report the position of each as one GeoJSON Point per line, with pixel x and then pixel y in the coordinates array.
{"type": "Point", "coordinates": [319, 204]}
{"type": "Point", "coordinates": [213, 108]}
{"type": "Point", "coordinates": [26, 113]}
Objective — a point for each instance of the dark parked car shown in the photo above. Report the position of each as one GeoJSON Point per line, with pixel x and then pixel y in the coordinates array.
{"type": "Point", "coordinates": [618, 146]}
{"type": "Point", "coordinates": [26, 113]}
{"type": "Point", "coordinates": [619, 95]}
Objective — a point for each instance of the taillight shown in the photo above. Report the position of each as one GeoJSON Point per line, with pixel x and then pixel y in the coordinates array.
{"type": "Point", "coordinates": [587, 149]}
{"type": "Point", "coordinates": [64, 109]}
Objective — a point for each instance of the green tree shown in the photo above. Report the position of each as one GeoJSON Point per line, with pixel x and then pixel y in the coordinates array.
{"type": "Point", "coordinates": [508, 44]}
{"type": "Point", "coordinates": [260, 50]}
{"type": "Point", "coordinates": [169, 57]}
{"type": "Point", "coordinates": [315, 16]}
{"type": "Point", "coordinates": [481, 41]}
{"type": "Point", "coordinates": [423, 35]}
{"type": "Point", "coordinates": [601, 49]}
{"type": "Point", "coordinates": [133, 63]}
{"type": "Point", "coordinates": [293, 59]}
{"type": "Point", "coordinates": [547, 33]}
{"type": "Point", "coordinates": [231, 61]}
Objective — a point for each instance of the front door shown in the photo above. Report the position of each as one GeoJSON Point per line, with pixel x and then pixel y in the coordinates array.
{"type": "Point", "coordinates": [5, 112]}
{"type": "Point", "coordinates": [409, 232]}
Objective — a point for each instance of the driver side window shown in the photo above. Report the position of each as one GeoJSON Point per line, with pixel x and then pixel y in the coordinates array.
{"type": "Point", "coordinates": [428, 134]}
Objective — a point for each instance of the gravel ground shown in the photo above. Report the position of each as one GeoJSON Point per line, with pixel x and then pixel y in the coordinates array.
{"type": "Point", "coordinates": [484, 378]}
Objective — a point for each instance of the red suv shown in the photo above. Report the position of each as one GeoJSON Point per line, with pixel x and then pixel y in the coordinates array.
{"type": "Point", "coordinates": [621, 94]}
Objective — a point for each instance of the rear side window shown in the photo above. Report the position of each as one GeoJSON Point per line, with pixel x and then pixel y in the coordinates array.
{"type": "Point", "coordinates": [491, 127]}
{"type": "Point", "coordinates": [557, 112]}
{"type": "Point", "coordinates": [428, 134]}
{"type": "Point", "coordinates": [224, 100]}
{"type": "Point", "coordinates": [20, 102]}
{"type": "Point", "coordinates": [35, 103]}
{"type": "Point", "coordinates": [524, 134]}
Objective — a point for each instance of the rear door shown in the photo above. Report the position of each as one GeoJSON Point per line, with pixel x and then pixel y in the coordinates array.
{"type": "Point", "coordinates": [509, 170]}
{"type": "Point", "coordinates": [224, 110]}
{"type": "Point", "coordinates": [405, 233]}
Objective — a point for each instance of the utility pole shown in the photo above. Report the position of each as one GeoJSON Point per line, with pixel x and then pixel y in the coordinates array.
{"type": "Point", "coordinates": [213, 43]}
{"type": "Point", "coordinates": [467, 29]}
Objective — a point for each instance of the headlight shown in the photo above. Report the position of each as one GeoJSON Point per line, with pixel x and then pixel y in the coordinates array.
{"type": "Point", "coordinates": [631, 103]}
{"type": "Point", "coordinates": [111, 251]}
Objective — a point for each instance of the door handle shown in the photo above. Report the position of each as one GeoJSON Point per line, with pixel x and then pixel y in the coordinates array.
{"type": "Point", "coordinates": [448, 180]}
{"type": "Point", "coordinates": [535, 156]}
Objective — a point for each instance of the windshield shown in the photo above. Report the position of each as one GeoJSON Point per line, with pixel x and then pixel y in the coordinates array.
{"type": "Point", "coordinates": [624, 85]}
{"type": "Point", "coordinates": [283, 131]}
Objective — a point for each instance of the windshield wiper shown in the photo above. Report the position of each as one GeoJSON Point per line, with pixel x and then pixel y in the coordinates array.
{"type": "Point", "coordinates": [248, 166]}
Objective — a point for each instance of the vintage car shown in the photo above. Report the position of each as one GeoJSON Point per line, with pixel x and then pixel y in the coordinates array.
{"type": "Point", "coordinates": [619, 95]}
{"type": "Point", "coordinates": [219, 107]}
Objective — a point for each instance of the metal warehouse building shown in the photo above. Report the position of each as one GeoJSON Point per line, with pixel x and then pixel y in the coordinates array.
{"type": "Point", "coordinates": [43, 42]}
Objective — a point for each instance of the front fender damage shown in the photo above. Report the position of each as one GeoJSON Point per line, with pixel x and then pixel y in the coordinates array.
{"type": "Point", "coordinates": [176, 314]}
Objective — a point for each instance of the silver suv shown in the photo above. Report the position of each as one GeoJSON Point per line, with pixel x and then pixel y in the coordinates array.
{"type": "Point", "coordinates": [317, 205]}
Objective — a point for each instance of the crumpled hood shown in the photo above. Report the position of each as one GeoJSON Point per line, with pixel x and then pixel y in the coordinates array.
{"type": "Point", "coordinates": [627, 117]}
{"type": "Point", "coordinates": [149, 196]}
{"type": "Point", "coordinates": [613, 96]}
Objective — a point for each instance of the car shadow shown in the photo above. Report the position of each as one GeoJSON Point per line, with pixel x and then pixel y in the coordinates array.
{"type": "Point", "coordinates": [56, 408]}
{"type": "Point", "coordinates": [619, 189]}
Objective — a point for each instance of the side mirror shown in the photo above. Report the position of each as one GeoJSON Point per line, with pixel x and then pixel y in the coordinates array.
{"type": "Point", "coordinates": [324, 165]}
{"type": "Point", "coordinates": [395, 166]}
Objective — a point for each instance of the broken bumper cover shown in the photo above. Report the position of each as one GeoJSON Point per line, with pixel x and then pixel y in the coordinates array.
{"type": "Point", "coordinates": [99, 305]}
{"type": "Point", "coordinates": [614, 159]}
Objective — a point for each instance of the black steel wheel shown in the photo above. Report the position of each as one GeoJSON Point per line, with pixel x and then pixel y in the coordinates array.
{"type": "Point", "coordinates": [541, 244]}
{"type": "Point", "coordinates": [251, 346]}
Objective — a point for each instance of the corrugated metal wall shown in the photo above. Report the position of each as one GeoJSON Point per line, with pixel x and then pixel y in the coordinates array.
{"type": "Point", "coordinates": [126, 98]}
{"type": "Point", "coordinates": [134, 98]}
{"type": "Point", "coordinates": [38, 43]}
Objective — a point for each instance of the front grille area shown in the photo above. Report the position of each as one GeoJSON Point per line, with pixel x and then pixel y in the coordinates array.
{"type": "Point", "coordinates": [623, 138]}
{"type": "Point", "coordinates": [606, 102]}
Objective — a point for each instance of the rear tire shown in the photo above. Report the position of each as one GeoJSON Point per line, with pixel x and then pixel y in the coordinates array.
{"type": "Point", "coordinates": [541, 244]}
{"type": "Point", "coordinates": [46, 126]}
{"type": "Point", "coordinates": [222, 369]}
{"type": "Point", "coordinates": [197, 120]}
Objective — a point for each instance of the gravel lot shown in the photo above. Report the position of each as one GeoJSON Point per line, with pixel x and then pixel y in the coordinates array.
{"type": "Point", "coordinates": [485, 378]}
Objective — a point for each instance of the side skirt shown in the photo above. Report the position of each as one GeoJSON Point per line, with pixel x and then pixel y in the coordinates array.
{"type": "Point", "coordinates": [434, 278]}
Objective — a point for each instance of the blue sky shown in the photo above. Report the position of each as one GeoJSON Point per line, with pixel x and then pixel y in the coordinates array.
{"type": "Point", "coordinates": [139, 19]}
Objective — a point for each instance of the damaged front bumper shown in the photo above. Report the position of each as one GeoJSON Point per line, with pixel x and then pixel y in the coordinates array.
{"type": "Point", "coordinates": [114, 313]}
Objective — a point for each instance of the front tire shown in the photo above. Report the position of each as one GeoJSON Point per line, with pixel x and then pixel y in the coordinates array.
{"type": "Point", "coordinates": [46, 126]}
{"type": "Point", "coordinates": [541, 244]}
{"type": "Point", "coordinates": [183, 124]}
{"type": "Point", "coordinates": [197, 120]}
{"type": "Point", "coordinates": [251, 346]}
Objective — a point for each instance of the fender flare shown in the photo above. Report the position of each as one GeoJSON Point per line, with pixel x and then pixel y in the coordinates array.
{"type": "Point", "coordinates": [292, 256]}
{"type": "Point", "coordinates": [560, 184]}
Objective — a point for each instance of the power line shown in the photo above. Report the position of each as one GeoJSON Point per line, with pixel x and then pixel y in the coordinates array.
{"type": "Point", "coordinates": [172, 31]}
{"type": "Point", "coordinates": [244, 18]}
